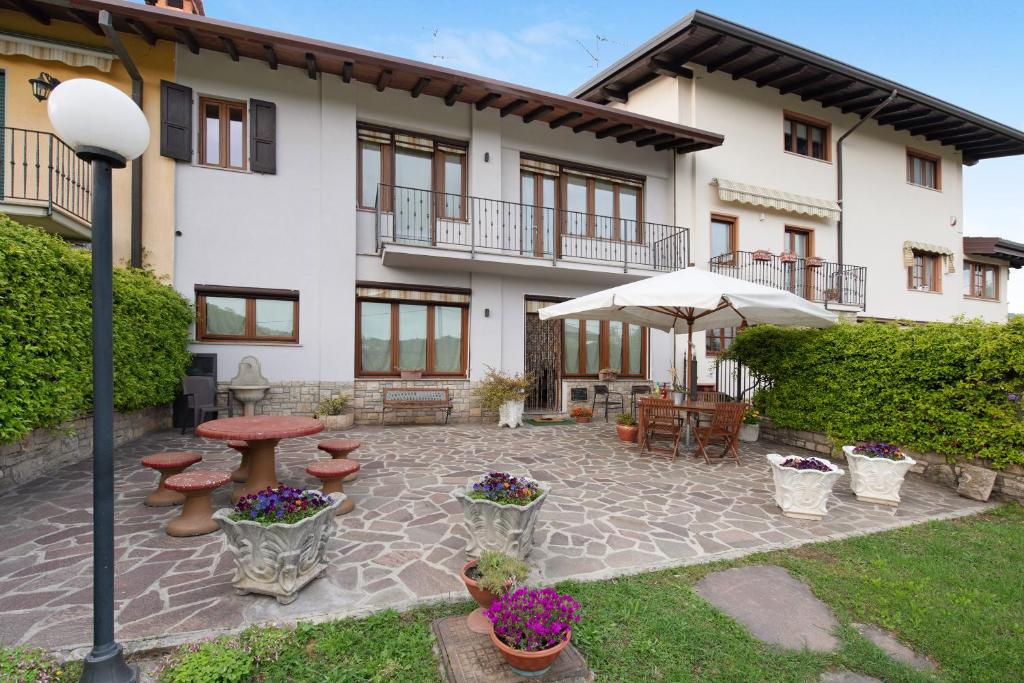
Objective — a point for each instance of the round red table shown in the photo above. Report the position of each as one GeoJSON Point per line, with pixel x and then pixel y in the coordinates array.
{"type": "Point", "coordinates": [261, 432]}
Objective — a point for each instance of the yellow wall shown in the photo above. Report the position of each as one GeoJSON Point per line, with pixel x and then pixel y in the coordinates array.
{"type": "Point", "coordinates": [154, 63]}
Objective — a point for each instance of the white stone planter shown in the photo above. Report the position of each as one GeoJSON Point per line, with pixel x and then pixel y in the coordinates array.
{"type": "Point", "coordinates": [802, 494]}
{"type": "Point", "coordinates": [877, 480]}
{"type": "Point", "coordinates": [279, 559]}
{"type": "Point", "coordinates": [510, 413]}
{"type": "Point", "coordinates": [505, 528]}
{"type": "Point", "coordinates": [750, 432]}
{"type": "Point", "coordinates": [334, 423]}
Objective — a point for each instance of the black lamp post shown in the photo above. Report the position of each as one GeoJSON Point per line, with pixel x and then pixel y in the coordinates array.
{"type": "Point", "coordinates": [106, 128]}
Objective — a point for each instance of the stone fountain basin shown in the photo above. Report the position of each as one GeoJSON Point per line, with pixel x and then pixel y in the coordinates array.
{"type": "Point", "coordinates": [246, 393]}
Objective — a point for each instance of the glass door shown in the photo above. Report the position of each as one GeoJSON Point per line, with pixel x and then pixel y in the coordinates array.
{"type": "Point", "coordinates": [538, 198]}
{"type": "Point", "coordinates": [798, 243]}
{"type": "Point", "coordinates": [413, 198]}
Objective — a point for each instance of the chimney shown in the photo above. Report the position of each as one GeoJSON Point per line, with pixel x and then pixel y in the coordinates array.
{"type": "Point", "coordinates": [186, 6]}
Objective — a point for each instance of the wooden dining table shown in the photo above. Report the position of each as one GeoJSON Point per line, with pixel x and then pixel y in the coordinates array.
{"type": "Point", "coordinates": [262, 433]}
{"type": "Point", "coordinates": [685, 410]}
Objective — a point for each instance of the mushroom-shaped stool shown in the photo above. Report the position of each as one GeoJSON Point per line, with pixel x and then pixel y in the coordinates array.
{"type": "Point", "coordinates": [332, 473]}
{"type": "Point", "coordinates": [196, 516]}
{"type": "Point", "coordinates": [168, 464]}
{"type": "Point", "coordinates": [339, 450]}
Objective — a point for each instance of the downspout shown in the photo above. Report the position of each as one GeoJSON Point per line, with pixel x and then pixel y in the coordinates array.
{"type": "Point", "coordinates": [839, 172]}
{"type": "Point", "coordinates": [106, 23]}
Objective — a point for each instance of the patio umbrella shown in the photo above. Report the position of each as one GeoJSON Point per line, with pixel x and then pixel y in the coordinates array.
{"type": "Point", "coordinates": [692, 300]}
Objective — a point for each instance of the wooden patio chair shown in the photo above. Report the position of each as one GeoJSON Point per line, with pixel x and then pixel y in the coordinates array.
{"type": "Point", "coordinates": [725, 425]}
{"type": "Point", "coordinates": [659, 421]}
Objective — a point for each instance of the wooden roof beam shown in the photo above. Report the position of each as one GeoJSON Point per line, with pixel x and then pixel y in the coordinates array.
{"type": "Point", "coordinates": [664, 66]}
{"type": "Point", "coordinates": [616, 93]}
{"type": "Point", "coordinates": [270, 56]}
{"type": "Point", "coordinates": [692, 147]}
{"type": "Point", "coordinates": [673, 144]}
{"type": "Point", "coordinates": [188, 38]}
{"type": "Point", "coordinates": [453, 94]}
{"type": "Point", "coordinates": [511, 107]}
{"type": "Point", "coordinates": [634, 134]}
{"type": "Point", "coordinates": [923, 120]}
{"type": "Point", "coordinates": [755, 66]}
{"type": "Point", "coordinates": [655, 139]}
{"type": "Point", "coordinates": [968, 139]}
{"type": "Point", "coordinates": [863, 103]}
{"type": "Point", "coordinates": [87, 20]}
{"type": "Point", "coordinates": [844, 97]}
{"type": "Point", "coordinates": [564, 119]}
{"type": "Point", "coordinates": [826, 89]}
{"type": "Point", "coordinates": [230, 46]}
{"type": "Point", "coordinates": [420, 86]}
{"type": "Point", "coordinates": [890, 108]}
{"type": "Point", "coordinates": [597, 121]}
{"type": "Point", "coordinates": [887, 119]}
{"type": "Point", "coordinates": [346, 72]}
{"type": "Point", "coordinates": [613, 130]}
{"type": "Point", "coordinates": [33, 10]}
{"type": "Point", "coordinates": [803, 83]}
{"type": "Point", "coordinates": [714, 66]}
{"type": "Point", "coordinates": [383, 79]}
{"type": "Point", "coordinates": [311, 65]}
{"type": "Point", "coordinates": [533, 114]}
{"type": "Point", "coordinates": [994, 147]}
{"type": "Point", "coordinates": [938, 131]}
{"type": "Point", "coordinates": [697, 50]}
{"type": "Point", "coordinates": [144, 31]}
{"type": "Point", "coordinates": [779, 75]}
{"type": "Point", "coordinates": [486, 101]}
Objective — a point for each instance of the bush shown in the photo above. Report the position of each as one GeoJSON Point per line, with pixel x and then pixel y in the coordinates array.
{"type": "Point", "coordinates": [332, 406]}
{"type": "Point", "coordinates": [46, 334]}
{"type": "Point", "coordinates": [941, 387]}
{"type": "Point", "coordinates": [215, 661]}
{"type": "Point", "coordinates": [498, 387]}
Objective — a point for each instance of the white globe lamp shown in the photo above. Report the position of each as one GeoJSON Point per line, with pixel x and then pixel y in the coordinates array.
{"type": "Point", "coordinates": [97, 119]}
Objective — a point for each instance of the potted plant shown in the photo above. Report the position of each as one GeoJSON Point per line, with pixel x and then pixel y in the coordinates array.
{"type": "Point", "coordinates": [488, 578]}
{"type": "Point", "coordinates": [788, 257]}
{"type": "Point", "coordinates": [607, 374]}
{"type": "Point", "coordinates": [762, 255]}
{"type": "Point", "coordinates": [802, 485]}
{"type": "Point", "coordinates": [877, 470]}
{"type": "Point", "coordinates": [279, 538]}
{"type": "Point", "coordinates": [626, 427]}
{"type": "Point", "coordinates": [582, 414]}
{"type": "Point", "coordinates": [414, 373]}
{"type": "Point", "coordinates": [678, 390]}
{"type": "Point", "coordinates": [501, 512]}
{"type": "Point", "coordinates": [334, 413]}
{"type": "Point", "coordinates": [531, 627]}
{"type": "Point", "coordinates": [750, 429]}
{"type": "Point", "coordinates": [506, 394]}
{"type": "Point", "coordinates": [814, 262]}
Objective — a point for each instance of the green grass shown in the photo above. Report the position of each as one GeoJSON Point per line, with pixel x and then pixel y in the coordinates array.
{"type": "Point", "coordinates": [951, 590]}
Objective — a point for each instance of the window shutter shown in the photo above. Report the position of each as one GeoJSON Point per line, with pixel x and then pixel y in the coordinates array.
{"type": "Point", "coordinates": [175, 121]}
{"type": "Point", "coordinates": [262, 136]}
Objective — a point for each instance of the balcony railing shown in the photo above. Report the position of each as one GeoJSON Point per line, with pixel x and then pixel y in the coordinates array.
{"type": "Point", "coordinates": [820, 281]}
{"type": "Point", "coordinates": [38, 168]}
{"type": "Point", "coordinates": [424, 218]}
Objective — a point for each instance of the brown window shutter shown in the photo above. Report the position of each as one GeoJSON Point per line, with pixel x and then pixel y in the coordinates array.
{"type": "Point", "coordinates": [262, 136]}
{"type": "Point", "coordinates": [175, 121]}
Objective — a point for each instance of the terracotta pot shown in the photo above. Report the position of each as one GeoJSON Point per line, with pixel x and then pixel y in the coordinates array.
{"type": "Point", "coordinates": [627, 433]}
{"type": "Point", "coordinates": [583, 419]}
{"type": "Point", "coordinates": [762, 255]}
{"type": "Point", "coordinates": [477, 620]}
{"type": "Point", "coordinates": [412, 374]}
{"type": "Point", "coordinates": [530, 663]}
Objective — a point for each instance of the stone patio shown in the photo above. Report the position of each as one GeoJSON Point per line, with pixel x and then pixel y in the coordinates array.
{"type": "Point", "coordinates": [610, 512]}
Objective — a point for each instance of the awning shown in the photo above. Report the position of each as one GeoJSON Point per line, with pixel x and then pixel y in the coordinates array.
{"type": "Point", "coordinates": [732, 191]}
{"type": "Point", "coordinates": [54, 51]}
{"type": "Point", "coordinates": [945, 252]}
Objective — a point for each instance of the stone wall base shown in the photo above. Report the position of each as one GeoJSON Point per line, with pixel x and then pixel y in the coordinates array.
{"type": "Point", "coordinates": [46, 450]}
{"type": "Point", "coordinates": [621, 386]}
{"type": "Point", "coordinates": [286, 398]}
{"type": "Point", "coordinates": [466, 408]}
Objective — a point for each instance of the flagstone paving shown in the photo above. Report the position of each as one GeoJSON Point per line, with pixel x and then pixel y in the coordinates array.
{"type": "Point", "coordinates": [610, 512]}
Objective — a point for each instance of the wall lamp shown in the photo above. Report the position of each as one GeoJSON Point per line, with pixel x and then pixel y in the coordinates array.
{"type": "Point", "coordinates": [42, 85]}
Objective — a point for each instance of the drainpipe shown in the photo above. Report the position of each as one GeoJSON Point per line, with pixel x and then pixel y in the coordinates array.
{"type": "Point", "coordinates": [839, 172]}
{"type": "Point", "coordinates": [107, 24]}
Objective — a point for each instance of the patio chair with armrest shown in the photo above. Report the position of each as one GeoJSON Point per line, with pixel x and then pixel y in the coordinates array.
{"type": "Point", "coordinates": [659, 419]}
{"type": "Point", "coordinates": [725, 425]}
{"type": "Point", "coordinates": [201, 394]}
{"type": "Point", "coordinates": [636, 391]}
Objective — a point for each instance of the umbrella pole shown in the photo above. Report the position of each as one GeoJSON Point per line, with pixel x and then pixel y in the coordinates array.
{"type": "Point", "coordinates": [691, 370]}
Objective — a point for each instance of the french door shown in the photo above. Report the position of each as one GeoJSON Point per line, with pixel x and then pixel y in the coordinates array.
{"type": "Point", "coordinates": [413, 200]}
{"type": "Point", "coordinates": [800, 243]}
{"type": "Point", "coordinates": [539, 197]}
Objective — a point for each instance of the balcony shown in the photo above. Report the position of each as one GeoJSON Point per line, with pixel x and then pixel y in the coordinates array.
{"type": "Point", "coordinates": [832, 284]}
{"type": "Point", "coordinates": [424, 228]}
{"type": "Point", "coordinates": [43, 183]}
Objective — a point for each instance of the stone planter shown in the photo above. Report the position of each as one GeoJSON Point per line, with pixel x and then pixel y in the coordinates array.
{"type": "Point", "coordinates": [802, 494]}
{"type": "Point", "coordinates": [750, 432]}
{"type": "Point", "coordinates": [505, 528]}
{"type": "Point", "coordinates": [335, 423]}
{"type": "Point", "coordinates": [530, 663]}
{"type": "Point", "coordinates": [627, 433]}
{"type": "Point", "coordinates": [877, 480]}
{"type": "Point", "coordinates": [510, 413]}
{"type": "Point", "coordinates": [279, 559]}
{"type": "Point", "coordinates": [975, 482]}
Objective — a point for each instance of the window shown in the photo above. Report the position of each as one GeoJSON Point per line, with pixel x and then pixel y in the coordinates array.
{"type": "Point", "coordinates": [250, 315]}
{"type": "Point", "coordinates": [222, 133]}
{"type": "Point", "coordinates": [724, 238]}
{"type": "Point", "coordinates": [925, 275]}
{"type": "Point", "coordinates": [924, 169]}
{"type": "Point", "coordinates": [589, 346]}
{"type": "Point", "coordinates": [806, 136]}
{"type": "Point", "coordinates": [413, 333]}
{"type": "Point", "coordinates": [718, 340]}
{"type": "Point", "coordinates": [418, 163]}
{"type": "Point", "coordinates": [981, 280]}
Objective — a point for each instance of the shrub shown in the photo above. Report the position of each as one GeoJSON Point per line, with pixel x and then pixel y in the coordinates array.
{"type": "Point", "coordinates": [46, 334]}
{"type": "Point", "coordinates": [498, 387]}
{"type": "Point", "coordinates": [625, 419]}
{"type": "Point", "coordinates": [332, 406]}
{"type": "Point", "coordinates": [32, 665]}
{"type": "Point", "coordinates": [581, 411]}
{"type": "Point", "coordinates": [214, 661]}
{"type": "Point", "coordinates": [941, 387]}
{"type": "Point", "coordinates": [498, 572]}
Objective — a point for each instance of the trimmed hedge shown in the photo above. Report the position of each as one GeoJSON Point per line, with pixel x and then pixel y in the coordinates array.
{"type": "Point", "coordinates": [46, 334]}
{"type": "Point", "coordinates": [939, 387]}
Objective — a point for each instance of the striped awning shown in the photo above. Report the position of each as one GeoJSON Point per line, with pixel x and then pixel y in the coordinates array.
{"type": "Point", "coordinates": [44, 49]}
{"type": "Point", "coordinates": [732, 191]}
{"type": "Point", "coordinates": [948, 258]}
{"type": "Point", "coordinates": [412, 295]}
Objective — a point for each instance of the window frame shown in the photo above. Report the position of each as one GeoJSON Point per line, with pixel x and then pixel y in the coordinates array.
{"type": "Point", "coordinates": [722, 337]}
{"type": "Point", "coordinates": [428, 371]}
{"type": "Point", "coordinates": [970, 267]}
{"type": "Point", "coordinates": [936, 266]}
{"type": "Point", "coordinates": [734, 235]}
{"type": "Point", "coordinates": [795, 118]}
{"type": "Point", "coordinates": [223, 104]}
{"type": "Point", "coordinates": [604, 351]}
{"type": "Point", "coordinates": [927, 157]}
{"type": "Point", "coordinates": [251, 295]}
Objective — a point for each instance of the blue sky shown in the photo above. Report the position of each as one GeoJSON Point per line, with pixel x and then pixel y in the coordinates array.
{"type": "Point", "coordinates": [970, 54]}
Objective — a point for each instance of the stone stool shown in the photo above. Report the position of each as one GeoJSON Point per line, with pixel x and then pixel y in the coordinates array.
{"type": "Point", "coordinates": [339, 450]}
{"type": "Point", "coordinates": [196, 516]}
{"type": "Point", "coordinates": [168, 464]}
{"type": "Point", "coordinates": [332, 473]}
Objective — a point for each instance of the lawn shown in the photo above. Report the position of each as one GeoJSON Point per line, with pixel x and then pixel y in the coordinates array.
{"type": "Point", "coordinates": [951, 590]}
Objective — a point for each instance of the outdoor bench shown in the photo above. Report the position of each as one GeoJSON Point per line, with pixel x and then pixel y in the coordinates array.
{"type": "Point", "coordinates": [412, 398]}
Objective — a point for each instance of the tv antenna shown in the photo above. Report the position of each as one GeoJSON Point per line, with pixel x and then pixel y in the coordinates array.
{"type": "Point", "coordinates": [595, 54]}
{"type": "Point", "coordinates": [434, 55]}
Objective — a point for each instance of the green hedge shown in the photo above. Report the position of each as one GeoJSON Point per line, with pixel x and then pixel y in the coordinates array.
{"type": "Point", "coordinates": [46, 333]}
{"type": "Point", "coordinates": [939, 387]}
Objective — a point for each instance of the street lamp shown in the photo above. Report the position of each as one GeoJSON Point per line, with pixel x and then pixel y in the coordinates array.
{"type": "Point", "coordinates": [105, 127]}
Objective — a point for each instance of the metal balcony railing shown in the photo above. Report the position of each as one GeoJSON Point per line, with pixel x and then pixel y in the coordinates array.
{"type": "Point", "coordinates": [424, 218]}
{"type": "Point", "coordinates": [39, 168]}
{"type": "Point", "coordinates": [813, 279]}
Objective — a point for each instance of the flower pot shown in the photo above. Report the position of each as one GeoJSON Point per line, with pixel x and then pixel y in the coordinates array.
{"type": "Point", "coordinates": [279, 559]}
{"type": "Point", "coordinates": [510, 413]}
{"type": "Point", "coordinates": [530, 663]}
{"type": "Point", "coordinates": [786, 257]}
{"type": "Point", "coordinates": [583, 419]}
{"type": "Point", "coordinates": [802, 494]}
{"type": "Point", "coordinates": [334, 423]}
{"type": "Point", "coordinates": [505, 528]}
{"type": "Point", "coordinates": [477, 620]}
{"type": "Point", "coordinates": [877, 480]}
{"type": "Point", "coordinates": [412, 374]}
{"type": "Point", "coordinates": [750, 432]}
{"type": "Point", "coordinates": [814, 262]}
{"type": "Point", "coordinates": [762, 255]}
{"type": "Point", "coordinates": [627, 433]}
{"type": "Point", "coordinates": [607, 375]}
{"type": "Point", "coordinates": [678, 398]}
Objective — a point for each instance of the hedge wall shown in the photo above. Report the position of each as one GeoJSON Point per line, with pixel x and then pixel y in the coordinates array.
{"type": "Point", "coordinates": [941, 387]}
{"type": "Point", "coordinates": [46, 333]}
